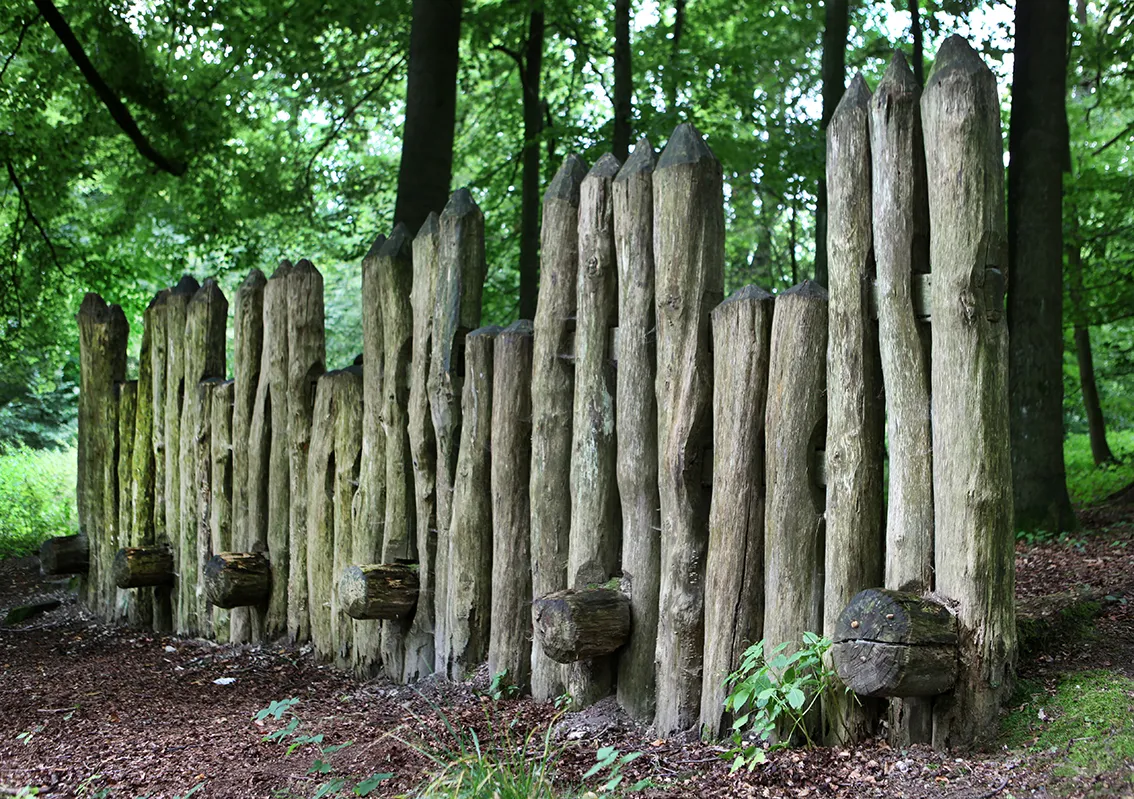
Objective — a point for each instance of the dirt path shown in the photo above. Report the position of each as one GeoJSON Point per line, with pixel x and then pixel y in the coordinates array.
{"type": "Point", "coordinates": [87, 710]}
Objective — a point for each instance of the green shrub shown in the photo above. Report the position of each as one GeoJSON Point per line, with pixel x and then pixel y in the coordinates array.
{"type": "Point", "coordinates": [37, 498]}
{"type": "Point", "coordinates": [1089, 484]}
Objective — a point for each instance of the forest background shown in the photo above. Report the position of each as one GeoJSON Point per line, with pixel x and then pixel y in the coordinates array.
{"type": "Point", "coordinates": [141, 140]}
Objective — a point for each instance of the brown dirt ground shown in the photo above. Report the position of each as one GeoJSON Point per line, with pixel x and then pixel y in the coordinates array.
{"type": "Point", "coordinates": [91, 710]}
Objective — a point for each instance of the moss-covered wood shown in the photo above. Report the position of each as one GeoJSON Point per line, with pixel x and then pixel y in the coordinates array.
{"type": "Point", "coordinates": [155, 321]}
{"type": "Point", "coordinates": [581, 623]}
{"type": "Point", "coordinates": [348, 466]}
{"type": "Point", "coordinates": [238, 579]}
{"type": "Point", "coordinates": [141, 612]}
{"type": "Point", "coordinates": [221, 489]}
{"type": "Point", "coordinates": [379, 591]}
{"type": "Point", "coordinates": [320, 524]}
{"type": "Point", "coordinates": [143, 567]}
{"type": "Point", "coordinates": [127, 413]}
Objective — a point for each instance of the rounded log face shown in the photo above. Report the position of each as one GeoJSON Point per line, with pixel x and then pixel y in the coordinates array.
{"type": "Point", "coordinates": [69, 554]}
{"type": "Point", "coordinates": [138, 567]}
{"type": "Point", "coordinates": [575, 625]}
{"type": "Point", "coordinates": [238, 579]}
{"type": "Point", "coordinates": [889, 643]}
{"type": "Point", "coordinates": [378, 591]}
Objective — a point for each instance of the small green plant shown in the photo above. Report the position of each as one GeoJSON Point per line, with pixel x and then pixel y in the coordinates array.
{"type": "Point", "coordinates": [501, 687]}
{"type": "Point", "coordinates": [609, 758]}
{"type": "Point", "coordinates": [26, 736]}
{"type": "Point", "coordinates": [771, 698]}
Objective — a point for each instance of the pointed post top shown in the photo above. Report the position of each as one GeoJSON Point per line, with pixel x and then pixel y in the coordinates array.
{"type": "Point", "coordinates": [643, 159]}
{"type": "Point", "coordinates": [186, 286]}
{"type": "Point", "coordinates": [855, 98]}
{"type": "Point", "coordinates": [208, 292]}
{"type": "Point", "coordinates": [282, 271]}
{"type": "Point", "coordinates": [159, 299]}
{"type": "Point", "coordinates": [808, 289]}
{"type": "Point", "coordinates": [399, 243]}
{"type": "Point", "coordinates": [94, 305]}
{"type": "Point", "coordinates": [956, 56]}
{"type": "Point", "coordinates": [521, 327]}
{"type": "Point", "coordinates": [898, 77]}
{"type": "Point", "coordinates": [565, 184]}
{"type": "Point", "coordinates": [255, 280]}
{"type": "Point", "coordinates": [304, 267]}
{"type": "Point", "coordinates": [488, 331]}
{"type": "Point", "coordinates": [376, 247]}
{"type": "Point", "coordinates": [431, 226]}
{"type": "Point", "coordinates": [749, 292]}
{"type": "Point", "coordinates": [460, 204]}
{"type": "Point", "coordinates": [685, 146]}
{"type": "Point", "coordinates": [606, 167]}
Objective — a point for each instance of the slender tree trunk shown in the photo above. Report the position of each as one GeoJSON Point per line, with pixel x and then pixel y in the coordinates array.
{"type": "Point", "coordinates": [675, 57]}
{"type": "Point", "coordinates": [1096, 422]}
{"type": "Point", "coordinates": [1038, 147]}
{"type": "Point", "coordinates": [530, 199]}
{"type": "Point", "coordinates": [623, 81]}
{"type": "Point", "coordinates": [918, 47]}
{"type": "Point", "coordinates": [834, 84]}
{"type": "Point", "coordinates": [431, 108]}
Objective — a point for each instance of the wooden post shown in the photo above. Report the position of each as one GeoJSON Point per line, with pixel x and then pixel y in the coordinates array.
{"type": "Point", "coordinates": [796, 427]}
{"type": "Point", "coordinates": [102, 363]}
{"type": "Point", "coordinates": [127, 414]}
{"type": "Point", "coordinates": [237, 579]}
{"type": "Point", "coordinates": [176, 306]}
{"type": "Point", "coordinates": [595, 543]}
{"type": "Point", "coordinates": [152, 523]}
{"type": "Point", "coordinates": [140, 612]}
{"type": "Point", "coordinates": [689, 248]}
{"type": "Point", "coordinates": [247, 624]}
{"type": "Point", "coordinates": [348, 466]}
{"type": "Point", "coordinates": [734, 587]}
{"type": "Point", "coordinates": [222, 488]}
{"type": "Point", "coordinates": [972, 471]}
{"type": "Point", "coordinates": [419, 644]}
{"type": "Point", "coordinates": [306, 354]}
{"type": "Point", "coordinates": [109, 605]}
{"type": "Point", "coordinates": [553, 388]}
{"type": "Point", "coordinates": [268, 460]}
{"type": "Point", "coordinates": [367, 534]}
{"type": "Point", "coordinates": [203, 357]}
{"type": "Point", "coordinates": [320, 524]}
{"type": "Point", "coordinates": [901, 246]}
{"type": "Point", "coordinates": [399, 543]}
{"type": "Point", "coordinates": [469, 600]}
{"type": "Point", "coordinates": [853, 552]}
{"type": "Point", "coordinates": [456, 311]}
{"type": "Point", "coordinates": [510, 634]}
{"type": "Point", "coordinates": [637, 426]}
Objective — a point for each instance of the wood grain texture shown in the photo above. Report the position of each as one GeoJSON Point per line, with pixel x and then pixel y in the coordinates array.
{"type": "Point", "coordinates": [155, 321]}
{"type": "Point", "coordinates": [223, 483]}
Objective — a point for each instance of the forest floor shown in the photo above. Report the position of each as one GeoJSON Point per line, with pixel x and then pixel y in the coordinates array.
{"type": "Point", "coordinates": [92, 710]}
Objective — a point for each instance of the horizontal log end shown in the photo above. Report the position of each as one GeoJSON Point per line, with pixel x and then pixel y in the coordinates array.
{"type": "Point", "coordinates": [579, 624]}
{"type": "Point", "coordinates": [237, 579]}
{"type": "Point", "coordinates": [379, 591]}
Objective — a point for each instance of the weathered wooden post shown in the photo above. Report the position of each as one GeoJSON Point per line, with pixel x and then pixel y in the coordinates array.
{"type": "Point", "coordinates": [348, 466]}
{"type": "Point", "coordinates": [734, 585]}
{"type": "Point", "coordinates": [553, 388]}
{"type": "Point", "coordinates": [198, 502]}
{"type": "Point", "coordinates": [689, 248]}
{"type": "Point", "coordinates": [155, 321]}
{"type": "Point", "coordinates": [306, 354]}
{"type": "Point", "coordinates": [203, 357]}
{"type": "Point", "coordinates": [222, 454]}
{"type": "Point", "coordinates": [268, 461]}
{"type": "Point", "coordinates": [456, 311]}
{"type": "Point", "coordinates": [399, 543]}
{"type": "Point", "coordinates": [853, 552]}
{"type": "Point", "coordinates": [140, 612]}
{"type": "Point", "coordinates": [102, 363]}
{"type": "Point", "coordinates": [595, 540]}
{"type": "Point", "coordinates": [127, 412]}
{"type": "Point", "coordinates": [972, 471]}
{"type": "Point", "coordinates": [419, 645]}
{"type": "Point", "coordinates": [901, 246]}
{"type": "Point", "coordinates": [637, 426]}
{"type": "Point", "coordinates": [367, 534]}
{"type": "Point", "coordinates": [469, 596]}
{"type": "Point", "coordinates": [247, 623]}
{"type": "Point", "coordinates": [321, 516]}
{"type": "Point", "coordinates": [510, 634]}
{"type": "Point", "coordinates": [796, 426]}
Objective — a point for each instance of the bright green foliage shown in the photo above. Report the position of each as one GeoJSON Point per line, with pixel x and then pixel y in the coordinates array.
{"type": "Point", "coordinates": [1086, 723]}
{"type": "Point", "coordinates": [1089, 484]}
{"type": "Point", "coordinates": [37, 498]}
{"type": "Point", "coordinates": [771, 698]}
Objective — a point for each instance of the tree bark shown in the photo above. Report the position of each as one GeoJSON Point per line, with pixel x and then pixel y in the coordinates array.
{"type": "Point", "coordinates": [530, 69]}
{"type": "Point", "coordinates": [1096, 421]}
{"type": "Point", "coordinates": [1038, 148]}
{"type": "Point", "coordinates": [141, 612]}
{"type": "Point", "coordinates": [155, 318]}
{"type": "Point", "coordinates": [623, 82]}
{"type": "Point", "coordinates": [834, 83]}
{"type": "Point", "coordinates": [431, 107]}
{"type": "Point", "coordinates": [917, 36]}
{"type": "Point", "coordinates": [127, 413]}
{"type": "Point", "coordinates": [348, 468]}
{"type": "Point", "coordinates": [220, 509]}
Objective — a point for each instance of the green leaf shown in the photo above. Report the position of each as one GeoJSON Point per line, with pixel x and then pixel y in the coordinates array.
{"type": "Point", "coordinates": [370, 783]}
{"type": "Point", "coordinates": [796, 698]}
{"type": "Point", "coordinates": [328, 788]}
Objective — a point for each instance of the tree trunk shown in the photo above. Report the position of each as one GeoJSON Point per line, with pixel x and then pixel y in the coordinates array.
{"type": "Point", "coordinates": [918, 44]}
{"type": "Point", "coordinates": [431, 107]}
{"type": "Point", "coordinates": [127, 412]}
{"type": "Point", "coordinates": [834, 83]}
{"type": "Point", "coordinates": [623, 82]}
{"type": "Point", "coordinates": [1038, 147]}
{"type": "Point", "coordinates": [530, 180]}
{"type": "Point", "coordinates": [1096, 422]}
{"type": "Point", "coordinates": [348, 468]}
{"type": "Point", "coordinates": [142, 506]}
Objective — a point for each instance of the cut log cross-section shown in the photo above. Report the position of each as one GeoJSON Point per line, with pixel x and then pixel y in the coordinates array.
{"type": "Point", "coordinates": [379, 591]}
{"type": "Point", "coordinates": [238, 579]}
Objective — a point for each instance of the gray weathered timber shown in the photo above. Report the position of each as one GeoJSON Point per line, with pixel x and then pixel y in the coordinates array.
{"type": "Point", "coordinates": [155, 321]}
{"type": "Point", "coordinates": [399, 543]}
{"type": "Point", "coordinates": [379, 591]}
{"type": "Point", "coordinates": [176, 305]}
{"type": "Point", "coordinates": [901, 247]}
{"type": "Point", "coordinates": [456, 311]}
{"type": "Point", "coordinates": [237, 579]}
{"type": "Point", "coordinates": [246, 624]}
{"type": "Point", "coordinates": [469, 596]}
{"type": "Point", "coordinates": [595, 541]}
{"type": "Point", "coordinates": [268, 461]}
{"type": "Point", "coordinates": [853, 552]}
{"type": "Point", "coordinates": [140, 613]}
{"type": "Point", "coordinates": [510, 634]}
{"type": "Point", "coordinates": [972, 471]}
{"type": "Point", "coordinates": [637, 426]}
{"type": "Point", "coordinates": [306, 355]}
{"type": "Point", "coordinates": [127, 413]}
{"type": "Point", "coordinates": [348, 453]}
{"type": "Point", "coordinates": [689, 253]}
{"type": "Point", "coordinates": [221, 507]}
{"type": "Point", "coordinates": [367, 534]}
{"type": "Point", "coordinates": [734, 583]}
{"type": "Point", "coordinates": [203, 358]}
{"type": "Point", "coordinates": [795, 425]}
{"type": "Point", "coordinates": [102, 363]}
{"type": "Point", "coordinates": [143, 567]}
{"type": "Point", "coordinates": [419, 643]}
{"type": "Point", "coordinates": [320, 525]}
{"type": "Point", "coordinates": [581, 623]}
{"type": "Point", "coordinates": [67, 554]}
{"type": "Point", "coordinates": [553, 388]}
{"type": "Point", "coordinates": [108, 593]}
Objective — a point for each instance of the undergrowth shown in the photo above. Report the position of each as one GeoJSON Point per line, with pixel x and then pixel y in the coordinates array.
{"type": "Point", "coordinates": [1089, 484]}
{"type": "Point", "coordinates": [37, 498]}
